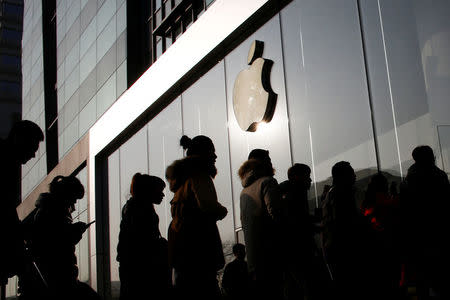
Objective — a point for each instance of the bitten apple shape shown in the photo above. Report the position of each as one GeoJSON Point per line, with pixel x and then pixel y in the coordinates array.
{"type": "Point", "coordinates": [253, 98]}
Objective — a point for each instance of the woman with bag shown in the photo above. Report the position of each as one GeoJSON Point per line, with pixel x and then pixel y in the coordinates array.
{"type": "Point", "coordinates": [141, 251]}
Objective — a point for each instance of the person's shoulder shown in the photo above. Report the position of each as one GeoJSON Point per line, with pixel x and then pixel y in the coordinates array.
{"type": "Point", "coordinates": [285, 185]}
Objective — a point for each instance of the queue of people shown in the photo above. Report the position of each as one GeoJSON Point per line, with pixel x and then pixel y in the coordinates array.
{"type": "Point", "coordinates": [376, 250]}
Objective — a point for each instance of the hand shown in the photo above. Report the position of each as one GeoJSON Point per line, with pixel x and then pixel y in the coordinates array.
{"type": "Point", "coordinates": [80, 227]}
{"type": "Point", "coordinates": [222, 213]}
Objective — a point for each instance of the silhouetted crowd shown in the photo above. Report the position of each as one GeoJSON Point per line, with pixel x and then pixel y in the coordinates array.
{"type": "Point", "coordinates": [387, 242]}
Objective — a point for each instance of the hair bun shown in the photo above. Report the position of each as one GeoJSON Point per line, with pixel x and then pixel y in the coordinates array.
{"type": "Point", "coordinates": [185, 142]}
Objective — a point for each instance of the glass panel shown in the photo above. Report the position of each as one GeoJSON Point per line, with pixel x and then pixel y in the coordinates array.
{"type": "Point", "coordinates": [159, 47]}
{"type": "Point", "coordinates": [177, 30]}
{"type": "Point", "coordinates": [158, 18]}
{"type": "Point", "coordinates": [199, 8]}
{"type": "Point", "coordinates": [106, 95]}
{"type": "Point", "coordinates": [115, 207]}
{"type": "Point", "coordinates": [168, 39]}
{"type": "Point", "coordinates": [166, 9]}
{"type": "Point", "coordinates": [274, 136]}
{"type": "Point", "coordinates": [157, 4]}
{"type": "Point", "coordinates": [104, 14]}
{"type": "Point", "coordinates": [205, 112]}
{"type": "Point", "coordinates": [164, 148]}
{"type": "Point", "coordinates": [336, 91]}
{"type": "Point", "coordinates": [106, 39]}
{"type": "Point", "coordinates": [444, 142]}
{"type": "Point", "coordinates": [187, 19]}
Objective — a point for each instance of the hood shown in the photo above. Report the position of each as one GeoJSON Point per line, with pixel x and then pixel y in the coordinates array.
{"type": "Point", "coordinates": [252, 170]}
{"type": "Point", "coordinates": [180, 170]}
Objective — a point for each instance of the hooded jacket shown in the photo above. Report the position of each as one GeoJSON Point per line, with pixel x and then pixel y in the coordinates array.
{"type": "Point", "coordinates": [260, 214]}
{"type": "Point", "coordinates": [54, 238]}
{"type": "Point", "coordinates": [194, 240]}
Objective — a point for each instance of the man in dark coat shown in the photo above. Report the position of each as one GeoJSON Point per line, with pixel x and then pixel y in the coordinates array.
{"type": "Point", "coordinates": [301, 265]}
{"type": "Point", "coordinates": [424, 207]}
{"type": "Point", "coordinates": [19, 147]}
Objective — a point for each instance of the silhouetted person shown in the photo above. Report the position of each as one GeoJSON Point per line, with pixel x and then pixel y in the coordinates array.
{"type": "Point", "coordinates": [302, 266]}
{"type": "Point", "coordinates": [424, 204]}
{"type": "Point", "coordinates": [195, 248]}
{"type": "Point", "coordinates": [141, 251]}
{"type": "Point", "coordinates": [235, 280]}
{"type": "Point", "coordinates": [54, 238]}
{"type": "Point", "coordinates": [344, 234]}
{"type": "Point", "coordinates": [380, 207]}
{"type": "Point", "coordinates": [261, 218]}
{"type": "Point", "coordinates": [19, 147]}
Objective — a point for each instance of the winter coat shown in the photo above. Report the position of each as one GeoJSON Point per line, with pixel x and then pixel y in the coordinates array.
{"type": "Point", "coordinates": [424, 206]}
{"type": "Point", "coordinates": [194, 240]}
{"type": "Point", "coordinates": [12, 256]}
{"type": "Point", "coordinates": [260, 216]}
{"type": "Point", "coordinates": [53, 241]}
{"type": "Point", "coordinates": [298, 224]}
{"type": "Point", "coordinates": [142, 252]}
{"type": "Point", "coordinates": [139, 233]}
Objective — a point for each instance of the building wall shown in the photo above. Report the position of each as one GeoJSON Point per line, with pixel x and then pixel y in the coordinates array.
{"type": "Point", "coordinates": [363, 81]}
{"type": "Point", "coordinates": [91, 64]}
{"type": "Point", "coordinates": [91, 71]}
{"type": "Point", "coordinates": [33, 90]}
{"type": "Point", "coordinates": [344, 74]}
{"type": "Point", "coordinates": [11, 15]}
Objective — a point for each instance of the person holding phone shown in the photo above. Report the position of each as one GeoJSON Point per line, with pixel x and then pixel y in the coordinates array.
{"type": "Point", "coordinates": [54, 237]}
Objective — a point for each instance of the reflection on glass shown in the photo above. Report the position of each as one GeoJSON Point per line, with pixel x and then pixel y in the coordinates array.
{"type": "Point", "coordinates": [159, 47]}
{"type": "Point", "coordinates": [157, 4]}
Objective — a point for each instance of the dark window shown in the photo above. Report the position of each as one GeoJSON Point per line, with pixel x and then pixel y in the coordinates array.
{"type": "Point", "coordinates": [9, 89]}
{"type": "Point", "coordinates": [12, 10]}
{"type": "Point", "coordinates": [9, 61]}
{"type": "Point", "coordinates": [187, 18]}
{"type": "Point", "coordinates": [50, 95]}
{"type": "Point", "coordinates": [153, 26]}
{"type": "Point", "coordinates": [176, 17]}
{"type": "Point", "coordinates": [12, 37]}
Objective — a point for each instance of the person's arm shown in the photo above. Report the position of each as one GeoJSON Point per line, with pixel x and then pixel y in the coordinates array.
{"type": "Point", "coordinates": [272, 198]}
{"type": "Point", "coordinates": [205, 193]}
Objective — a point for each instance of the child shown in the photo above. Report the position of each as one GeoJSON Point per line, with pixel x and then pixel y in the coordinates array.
{"type": "Point", "coordinates": [235, 281]}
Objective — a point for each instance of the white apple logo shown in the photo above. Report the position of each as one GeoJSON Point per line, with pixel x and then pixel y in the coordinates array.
{"type": "Point", "coordinates": [253, 98]}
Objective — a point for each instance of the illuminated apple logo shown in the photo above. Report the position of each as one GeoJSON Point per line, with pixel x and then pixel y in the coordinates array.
{"type": "Point", "coordinates": [253, 98]}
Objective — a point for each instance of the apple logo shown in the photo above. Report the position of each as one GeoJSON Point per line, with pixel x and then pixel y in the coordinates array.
{"type": "Point", "coordinates": [253, 98]}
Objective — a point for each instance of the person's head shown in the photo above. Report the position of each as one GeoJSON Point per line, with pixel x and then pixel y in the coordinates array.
{"type": "Point", "coordinates": [24, 138]}
{"type": "Point", "coordinates": [201, 146]}
{"type": "Point", "coordinates": [423, 155]}
{"type": "Point", "coordinates": [67, 188]}
{"type": "Point", "coordinates": [300, 175]}
{"type": "Point", "coordinates": [378, 183]}
{"type": "Point", "coordinates": [343, 174]}
{"type": "Point", "coordinates": [260, 154]}
{"type": "Point", "coordinates": [264, 157]}
{"type": "Point", "coordinates": [239, 251]}
{"type": "Point", "coordinates": [144, 186]}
